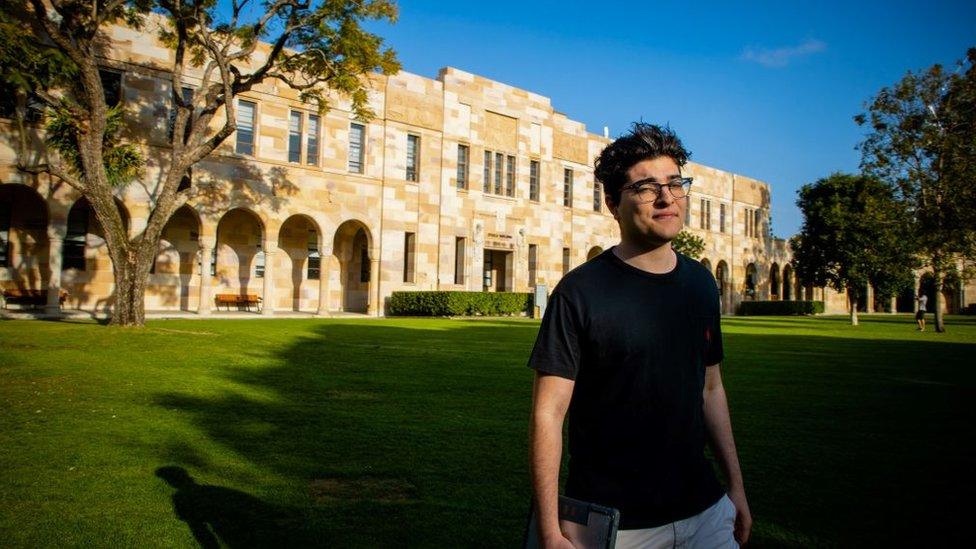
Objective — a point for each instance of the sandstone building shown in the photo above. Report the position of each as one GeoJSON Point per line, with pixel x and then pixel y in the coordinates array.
{"type": "Point", "coordinates": [459, 183]}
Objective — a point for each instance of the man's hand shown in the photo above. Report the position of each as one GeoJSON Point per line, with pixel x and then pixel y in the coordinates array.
{"type": "Point", "coordinates": [557, 541]}
{"type": "Point", "coordinates": [743, 517]}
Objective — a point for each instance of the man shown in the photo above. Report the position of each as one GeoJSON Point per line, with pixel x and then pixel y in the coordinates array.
{"type": "Point", "coordinates": [630, 346]}
{"type": "Point", "coordinates": [922, 300]}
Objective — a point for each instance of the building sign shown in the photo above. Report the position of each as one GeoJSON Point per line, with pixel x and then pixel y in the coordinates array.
{"type": "Point", "coordinates": [498, 241]}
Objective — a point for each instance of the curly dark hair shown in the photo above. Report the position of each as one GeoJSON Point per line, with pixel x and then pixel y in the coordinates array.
{"type": "Point", "coordinates": [643, 142]}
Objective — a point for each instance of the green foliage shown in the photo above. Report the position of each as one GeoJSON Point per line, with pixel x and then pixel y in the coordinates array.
{"type": "Point", "coordinates": [780, 308]}
{"type": "Point", "coordinates": [689, 244]}
{"type": "Point", "coordinates": [922, 141]}
{"type": "Point", "coordinates": [459, 303]}
{"type": "Point", "coordinates": [123, 161]}
{"type": "Point", "coordinates": [854, 233]}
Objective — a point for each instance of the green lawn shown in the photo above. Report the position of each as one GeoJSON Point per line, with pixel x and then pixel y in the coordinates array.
{"type": "Point", "coordinates": [412, 432]}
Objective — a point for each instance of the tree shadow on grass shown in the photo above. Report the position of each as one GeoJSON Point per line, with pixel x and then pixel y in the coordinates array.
{"type": "Point", "coordinates": [385, 435]}
{"type": "Point", "coordinates": [391, 435]}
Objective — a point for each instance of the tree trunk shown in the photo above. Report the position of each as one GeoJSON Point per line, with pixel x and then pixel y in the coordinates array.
{"type": "Point", "coordinates": [938, 280]}
{"type": "Point", "coordinates": [852, 299]}
{"type": "Point", "coordinates": [130, 291]}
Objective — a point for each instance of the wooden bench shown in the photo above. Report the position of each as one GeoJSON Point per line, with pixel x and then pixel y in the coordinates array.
{"type": "Point", "coordinates": [240, 301]}
{"type": "Point", "coordinates": [34, 298]}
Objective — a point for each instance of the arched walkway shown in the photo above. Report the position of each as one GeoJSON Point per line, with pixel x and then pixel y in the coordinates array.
{"type": "Point", "coordinates": [87, 273]}
{"type": "Point", "coordinates": [238, 259]}
{"type": "Point", "coordinates": [722, 280]}
{"type": "Point", "coordinates": [24, 245]}
{"type": "Point", "coordinates": [788, 289]}
{"type": "Point", "coordinates": [594, 251]}
{"type": "Point", "coordinates": [774, 282]}
{"type": "Point", "coordinates": [357, 269]}
{"type": "Point", "coordinates": [174, 278]}
{"type": "Point", "coordinates": [750, 283]}
{"type": "Point", "coordinates": [297, 279]}
{"type": "Point", "coordinates": [707, 264]}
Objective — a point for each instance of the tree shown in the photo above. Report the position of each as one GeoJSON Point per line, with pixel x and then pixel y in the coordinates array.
{"type": "Point", "coordinates": [51, 52]}
{"type": "Point", "coordinates": [689, 244]}
{"type": "Point", "coordinates": [853, 234]}
{"type": "Point", "coordinates": [922, 141]}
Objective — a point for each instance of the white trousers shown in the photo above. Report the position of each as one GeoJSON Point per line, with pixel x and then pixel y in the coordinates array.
{"type": "Point", "coordinates": [710, 529]}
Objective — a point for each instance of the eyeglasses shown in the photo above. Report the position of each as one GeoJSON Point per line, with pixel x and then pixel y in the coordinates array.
{"type": "Point", "coordinates": [649, 190]}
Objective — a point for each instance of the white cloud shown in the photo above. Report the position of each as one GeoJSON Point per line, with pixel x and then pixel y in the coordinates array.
{"type": "Point", "coordinates": [781, 57]}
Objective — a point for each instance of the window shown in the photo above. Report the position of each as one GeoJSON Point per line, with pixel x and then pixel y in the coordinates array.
{"type": "Point", "coordinates": [356, 139]}
{"type": "Point", "coordinates": [533, 263]}
{"type": "Point", "coordinates": [213, 260]}
{"type": "Point", "coordinates": [364, 265]}
{"type": "Point", "coordinates": [705, 220]}
{"type": "Point", "coordinates": [111, 86]}
{"type": "Point", "coordinates": [534, 180]}
{"type": "Point", "coordinates": [259, 263]}
{"type": "Point", "coordinates": [314, 259]}
{"type": "Point", "coordinates": [245, 127]}
{"type": "Point", "coordinates": [409, 244]}
{"type": "Point", "coordinates": [487, 182]}
{"type": "Point", "coordinates": [5, 213]}
{"type": "Point", "coordinates": [565, 260]}
{"type": "Point", "coordinates": [312, 141]}
{"type": "Point", "coordinates": [295, 136]}
{"type": "Point", "coordinates": [8, 100]}
{"type": "Point", "coordinates": [413, 157]}
{"type": "Point", "coordinates": [597, 196]}
{"type": "Point", "coordinates": [567, 187]}
{"type": "Point", "coordinates": [687, 213]}
{"type": "Point", "coordinates": [757, 225]}
{"type": "Point", "coordinates": [73, 252]}
{"type": "Point", "coordinates": [721, 217]}
{"type": "Point", "coordinates": [462, 167]}
{"type": "Point", "coordinates": [510, 177]}
{"type": "Point", "coordinates": [459, 260]}
{"type": "Point", "coordinates": [489, 267]}
{"type": "Point", "coordinates": [499, 159]}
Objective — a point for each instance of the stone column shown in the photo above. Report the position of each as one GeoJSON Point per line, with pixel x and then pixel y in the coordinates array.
{"type": "Point", "coordinates": [267, 295]}
{"type": "Point", "coordinates": [894, 305]}
{"type": "Point", "coordinates": [373, 309]}
{"type": "Point", "coordinates": [324, 255]}
{"type": "Point", "coordinates": [207, 244]}
{"type": "Point", "coordinates": [56, 233]}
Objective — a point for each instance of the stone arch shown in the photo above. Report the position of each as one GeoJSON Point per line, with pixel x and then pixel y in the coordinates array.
{"type": "Point", "coordinates": [707, 264]}
{"type": "Point", "coordinates": [24, 244]}
{"type": "Point", "coordinates": [594, 251]}
{"type": "Point", "coordinates": [750, 286]}
{"type": "Point", "coordinates": [722, 281]}
{"type": "Point", "coordinates": [353, 257]}
{"type": "Point", "coordinates": [774, 282]}
{"type": "Point", "coordinates": [88, 275]}
{"type": "Point", "coordinates": [237, 261]}
{"type": "Point", "coordinates": [297, 282]}
{"type": "Point", "coordinates": [788, 284]}
{"type": "Point", "coordinates": [177, 263]}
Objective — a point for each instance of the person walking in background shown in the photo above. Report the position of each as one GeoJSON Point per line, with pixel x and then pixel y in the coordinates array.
{"type": "Point", "coordinates": [922, 300]}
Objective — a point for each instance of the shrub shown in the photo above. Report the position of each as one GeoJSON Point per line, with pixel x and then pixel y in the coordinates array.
{"type": "Point", "coordinates": [458, 303]}
{"type": "Point", "coordinates": [759, 308]}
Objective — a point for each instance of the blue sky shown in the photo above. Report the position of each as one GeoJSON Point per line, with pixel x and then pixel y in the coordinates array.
{"type": "Point", "coordinates": [766, 90]}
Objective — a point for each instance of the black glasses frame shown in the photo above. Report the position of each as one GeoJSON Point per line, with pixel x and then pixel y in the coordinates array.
{"type": "Point", "coordinates": [683, 183]}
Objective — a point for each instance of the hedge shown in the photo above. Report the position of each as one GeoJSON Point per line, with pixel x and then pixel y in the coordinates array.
{"type": "Point", "coordinates": [458, 303]}
{"type": "Point", "coordinates": [758, 308]}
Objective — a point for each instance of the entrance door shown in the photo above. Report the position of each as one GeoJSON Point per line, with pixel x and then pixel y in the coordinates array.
{"type": "Point", "coordinates": [498, 271]}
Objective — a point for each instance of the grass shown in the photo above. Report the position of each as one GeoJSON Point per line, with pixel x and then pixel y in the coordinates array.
{"type": "Point", "coordinates": [412, 431]}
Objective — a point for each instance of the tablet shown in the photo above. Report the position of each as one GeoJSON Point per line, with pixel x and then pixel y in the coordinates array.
{"type": "Point", "coordinates": [585, 524]}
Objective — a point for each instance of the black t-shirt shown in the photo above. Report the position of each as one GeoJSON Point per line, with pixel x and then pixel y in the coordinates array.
{"type": "Point", "coordinates": [637, 345]}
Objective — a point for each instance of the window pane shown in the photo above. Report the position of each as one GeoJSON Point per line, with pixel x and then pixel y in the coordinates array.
{"type": "Point", "coordinates": [533, 260]}
{"type": "Point", "coordinates": [567, 187]}
{"type": "Point", "coordinates": [5, 214]}
{"type": "Point", "coordinates": [111, 86]}
{"type": "Point", "coordinates": [459, 260]}
{"type": "Point", "coordinates": [487, 182]}
{"type": "Point", "coordinates": [534, 180]}
{"type": "Point", "coordinates": [356, 134]}
{"type": "Point", "coordinates": [499, 160]}
{"type": "Point", "coordinates": [245, 127]}
{"type": "Point", "coordinates": [597, 196]}
{"type": "Point", "coordinates": [312, 141]}
{"type": "Point", "coordinates": [510, 177]}
{"type": "Point", "coordinates": [413, 150]}
{"type": "Point", "coordinates": [295, 137]}
{"type": "Point", "coordinates": [408, 255]}
{"type": "Point", "coordinates": [462, 167]}
{"type": "Point", "coordinates": [565, 260]}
